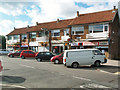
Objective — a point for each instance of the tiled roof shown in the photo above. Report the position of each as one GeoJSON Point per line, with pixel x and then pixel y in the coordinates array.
{"type": "Point", "coordinates": [51, 25]}
{"type": "Point", "coordinates": [82, 19]}
{"type": "Point", "coordinates": [19, 31]}
{"type": "Point", "coordinates": [94, 17]}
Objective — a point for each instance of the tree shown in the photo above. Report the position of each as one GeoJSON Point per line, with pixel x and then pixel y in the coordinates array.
{"type": "Point", "coordinates": [2, 42]}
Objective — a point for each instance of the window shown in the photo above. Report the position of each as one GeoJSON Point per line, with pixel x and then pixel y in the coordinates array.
{"type": "Point", "coordinates": [33, 35]}
{"type": "Point", "coordinates": [96, 28]}
{"type": "Point", "coordinates": [30, 52]}
{"type": "Point", "coordinates": [24, 36]}
{"type": "Point", "coordinates": [47, 53]}
{"type": "Point", "coordinates": [9, 37]}
{"type": "Point", "coordinates": [97, 52]}
{"type": "Point", "coordinates": [78, 30]}
{"type": "Point", "coordinates": [25, 51]}
{"type": "Point", "coordinates": [41, 34]}
{"type": "Point", "coordinates": [55, 33]}
{"type": "Point", "coordinates": [16, 37]}
{"type": "Point", "coordinates": [66, 32]}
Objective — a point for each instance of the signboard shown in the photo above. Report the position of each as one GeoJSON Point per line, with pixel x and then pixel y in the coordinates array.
{"type": "Point", "coordinates": [103, 43]}
{"type": "Point", "coordinates": [90, 43]}
{"type": "Point", "coordinates": [33, 43]}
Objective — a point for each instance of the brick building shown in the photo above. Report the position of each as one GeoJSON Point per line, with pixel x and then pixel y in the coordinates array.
{"type": "Point", "coordinates": [91, 30]}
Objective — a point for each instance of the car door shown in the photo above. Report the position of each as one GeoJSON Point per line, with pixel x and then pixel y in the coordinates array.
{"type": "Point", "coordinates": [41, 55]}
{"type": "Point", "coordinates": [31, 54]}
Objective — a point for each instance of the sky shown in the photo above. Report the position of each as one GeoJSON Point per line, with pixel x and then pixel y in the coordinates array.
{"type": "Point", "coordinates": [21, 13]}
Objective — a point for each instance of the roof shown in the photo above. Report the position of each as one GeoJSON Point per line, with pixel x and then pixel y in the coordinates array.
{"type": "Point", "coordinates": [95, 17]}
{"type": "Point", "coordinates": [19, 31]}
{"type": "Point", "coordinates": [51, 25]}
{"type": "Point", "coordinates": [103, 16]}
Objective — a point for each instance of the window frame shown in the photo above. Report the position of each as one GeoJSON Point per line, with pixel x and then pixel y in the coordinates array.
{"type": "Point", "coordinates": [16, 37]}
{"type": "Point", "coordinates": [77, 28]}
{"type": "Point", "coordinates": [55, 31]}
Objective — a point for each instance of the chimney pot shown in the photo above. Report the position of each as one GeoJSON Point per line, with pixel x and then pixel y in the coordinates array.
{"type": "Point", "coordinates": [27, 26]}
{"type": "Point", "coordinates": [77, 13]}
{"type": "Point", "coordinates": [114, 7]}
{"type": "Point", "coordinates": [36, 23]}
{"type": "Point", "coordinates": [58, 20]}
{"type": "Point", "coordinates": [14, 28]}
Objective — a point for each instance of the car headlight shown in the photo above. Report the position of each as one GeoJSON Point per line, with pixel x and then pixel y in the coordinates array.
{"type": "Point", "coordinates": [51, 58]}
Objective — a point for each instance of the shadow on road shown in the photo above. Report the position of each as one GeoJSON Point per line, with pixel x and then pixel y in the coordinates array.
{"type": "Point", "coordinates": [12, 79]}
{"type": "Point", "coordinates": [107, 68]}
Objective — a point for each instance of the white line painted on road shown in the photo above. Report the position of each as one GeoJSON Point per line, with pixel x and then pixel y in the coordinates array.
{"type": "Point", "coordinates": [27, 66]}
{"type": "Point", "coordinates": [106, 72]}
{"type": "Point", "coordinates": [93, 85]}
{"type": "Point", "coordinates": [17, 86]}
{"type": "Point", "coordinates": [82, 78]}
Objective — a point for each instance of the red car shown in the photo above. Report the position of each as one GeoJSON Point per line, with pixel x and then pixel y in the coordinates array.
{"type": "Point", "coordinates": [27, 53]}
{"type": "Point", "coordinates": [1, 67]}
{"type": "Point", "coordinates": [17, 53]}
{"type": "Point", "coordinates": [57, 59]}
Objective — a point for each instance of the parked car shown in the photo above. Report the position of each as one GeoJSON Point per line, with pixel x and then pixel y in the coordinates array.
{"type": "Point", "coordinates": [57, 59]}
{"type": "Point", "coordinates": [44, 56]}
{"type": "Point", "coordinates": [27, 53]}
{"type": "Point", "coordinates": [4, 52]}
{"type": "Point", "coordinates": [1, 67]}
{"type": "Point", "coordinates": [78, 57]}
{"type": "Point", "coordinates": [17, 53]}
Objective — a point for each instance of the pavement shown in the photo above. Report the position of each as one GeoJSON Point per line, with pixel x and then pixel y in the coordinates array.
{"type": "Point", "coordinates": [113, 62]}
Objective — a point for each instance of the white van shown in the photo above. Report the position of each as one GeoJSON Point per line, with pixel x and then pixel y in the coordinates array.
{"type": "Point", "coordinates": [78, 57]}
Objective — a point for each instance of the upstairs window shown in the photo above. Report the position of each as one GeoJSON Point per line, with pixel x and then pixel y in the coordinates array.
{"type": "Point", "coordinates": [24, 36]}
{"type": "Point", "coordinates": [9, 37]}
{"type": "Point", "coordinates": [78, 30]}
{"type": "Point", "coordinates": [66, 32]}
{"type": "Point", "coordinates": [96, 28]}
{"type": "Point", "coordinates": [33, 35]}
{"type": "Point", "coordinates": [15, 37]}
{"type": "Point", "coordinates": [55, 33]}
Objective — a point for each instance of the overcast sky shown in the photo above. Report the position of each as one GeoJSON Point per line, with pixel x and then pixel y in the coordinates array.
{"type": "Point", "coordinates": [27, 12]}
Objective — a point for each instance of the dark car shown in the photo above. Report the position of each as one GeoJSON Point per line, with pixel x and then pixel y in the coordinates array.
{"type": "Point", "coordinates": [27, 53]}
{"type": "Point", "coordinates": [43, 56]}
{"type": "Point", "coordinates": [17, 53]}
{"type": "Point", "coordinates": [57, 59]}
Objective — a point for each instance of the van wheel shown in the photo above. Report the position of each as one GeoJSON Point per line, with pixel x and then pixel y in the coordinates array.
{"type": "Point", "coordinates": [97, 64]}
{"type": "Point", "coordinates": [56, 61]}
{"type": "Point", "coordinates": [39, 60]}
{"type": "Point", "coordinates": [22, 57]}
{"type": "Point", "coordinates": [75, 65]}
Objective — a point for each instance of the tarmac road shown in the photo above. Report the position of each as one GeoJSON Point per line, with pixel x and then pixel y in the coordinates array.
{"type": "Point", "coordinates": [28, 73]}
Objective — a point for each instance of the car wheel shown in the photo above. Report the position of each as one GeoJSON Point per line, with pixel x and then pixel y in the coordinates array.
{"type": "Point", "coordinates": [39, 60]}
{"type": "Point", "coordinates": [56, 61]}
{"type": "Point", "coordinates": [22, 57]}
{"type": "Point", "coordinates": [75, 65]}
{"type": "Point", "coordinates": [11, 56]}
{"type": "Point", "coordinates": [97, 64]}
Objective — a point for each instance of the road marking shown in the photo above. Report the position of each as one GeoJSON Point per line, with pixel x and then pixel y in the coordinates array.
{"type": "Point", "coordinates": [27, 66]}
{"type": "Point", "coordinates": [118, 73]}
{"type": "Point", "coordinates": [93, 85]}
{"type": "Point", "coordinates": [7, 85]}
{"type": "Point", "coordinates": [82, 78]}
{"type": "Point", "coordinates": [105, 72]}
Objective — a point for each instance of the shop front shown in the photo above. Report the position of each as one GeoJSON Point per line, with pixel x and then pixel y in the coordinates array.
{"type": "Point", "coordinates": [33, 46]}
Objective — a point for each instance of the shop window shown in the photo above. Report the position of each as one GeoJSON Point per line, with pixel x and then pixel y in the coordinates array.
{"type": "Point", "coordinates": [78, 30]}
{"type": "Point", "coordinates": [55, 33]}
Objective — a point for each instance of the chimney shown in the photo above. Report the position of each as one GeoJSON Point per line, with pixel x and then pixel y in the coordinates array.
{"type": "Point", "coordinates": [114, 7]}
{"type": "Point", "coordinates": [58, 20]}
{"type": "Point", "coordinates": [77, 13]}
{"type": "Point", "coordinates": [36, 23]}
{"type": "Point", "coordinates": [27, 26]}
{"type": "Point", "coordinates": [14, 28]}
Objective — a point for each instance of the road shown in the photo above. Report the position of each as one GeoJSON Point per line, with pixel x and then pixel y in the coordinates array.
{"type": "Point", "coordinates": [28, 73]}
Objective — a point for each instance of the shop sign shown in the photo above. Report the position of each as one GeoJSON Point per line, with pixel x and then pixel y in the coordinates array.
{"type": "Point", "coordinates": [24, 45]}
{"type": "Point", "coordinates": [103, 43]}
{"type": "Point", "coordinates": [102, 47]}
{"type": "Point", "coordinates": [33, 43]}
{"type": "Point", "coordinates": [74, 44]}
{"type": "Point", "coordinates": [90, 43]}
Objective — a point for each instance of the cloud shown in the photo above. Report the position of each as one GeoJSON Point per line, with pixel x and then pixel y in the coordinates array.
{"type": "Point", "coordinates": [6, 26]}
{"type": "Point", "coordinates": [20, 24]}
